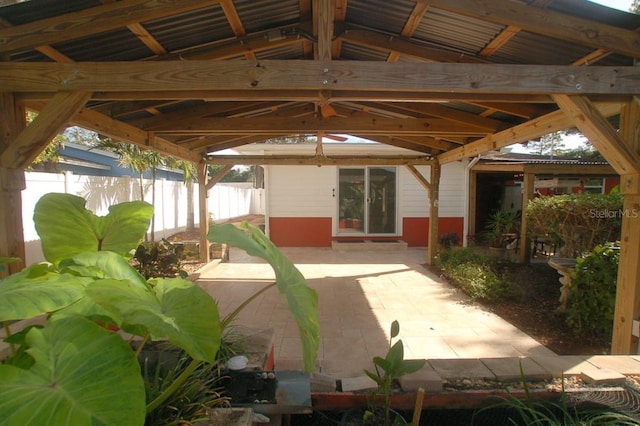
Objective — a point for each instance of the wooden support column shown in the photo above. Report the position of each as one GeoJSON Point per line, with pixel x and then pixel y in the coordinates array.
{"type": "Point", "coordinates": [432, 191]}
{"type": "Point", "coordinates": [628, 288]}
{"type": "Point", "coordinates": [473, 205]}
{"type": "Point", "coordinates": [203, 195]}
{"type": "Point", "coordinates": [205, 185]}
{"type": "Point", "coordinates": [12, 122]}
{"type": "Point", "coordinates": [434, 200]}
{"type": "Point", "coordinates": [525, 240]}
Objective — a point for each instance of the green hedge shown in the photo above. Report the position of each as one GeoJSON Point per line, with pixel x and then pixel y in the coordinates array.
{"type": "Point", "coordinates": [593, 292]}
{"type": "Point", "coordinates": [480, 275]}
{"type": "Point", "coordinates": [576, 222]}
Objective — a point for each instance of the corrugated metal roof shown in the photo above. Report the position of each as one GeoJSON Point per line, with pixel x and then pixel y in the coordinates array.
{"type": "Point", "coordinates": [456, 32]}
{"type": "Point", "coordinates": [262, 15]}
{"type": "Point", "coordinates": [117, 45]}
{"type": "Point", "coordinates": [382, 15]}
{"type": "Point", "coordinates": [355, 52]}
{"type": "Point", "coordinates": [192, 28]}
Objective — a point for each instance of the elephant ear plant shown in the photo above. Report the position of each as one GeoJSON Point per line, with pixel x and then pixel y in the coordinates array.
{"type": "Point", "coordinates": [74, 370]}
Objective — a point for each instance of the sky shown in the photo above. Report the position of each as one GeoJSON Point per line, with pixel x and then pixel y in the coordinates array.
{"type": "Point", "coordinates": [616, 4]}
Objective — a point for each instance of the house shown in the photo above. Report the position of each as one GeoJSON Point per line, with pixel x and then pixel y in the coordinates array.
{"type": "Point", "coordinates": [316, 206]}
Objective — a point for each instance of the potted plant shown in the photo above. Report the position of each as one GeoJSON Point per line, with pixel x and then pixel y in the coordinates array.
{"type": "Point", "coordinates": [387, 371]}
{"type": "Point", "coordinates": [77, 368]}
{"type": "Point", "coordinates": [502, 225]}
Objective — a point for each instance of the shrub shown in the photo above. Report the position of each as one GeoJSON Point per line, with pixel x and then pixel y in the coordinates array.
{"type": "Point", "coordinates": [449, 240]}
{"type": "Point", "coordinates": [159, 259]}
{"type": "Point", "coordinates": [576, 222]}
{"type": "Point", "coordinates": [593, 292]}
{"type": "Point", "coordinates": [481, 276]}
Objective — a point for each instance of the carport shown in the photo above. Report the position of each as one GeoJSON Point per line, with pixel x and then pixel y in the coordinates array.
{"type": "Point", "coordinates": [449, 79]}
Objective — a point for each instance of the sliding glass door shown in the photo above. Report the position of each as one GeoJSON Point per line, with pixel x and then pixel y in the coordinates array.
{"type": "Point", "coordinates": [367, 200]}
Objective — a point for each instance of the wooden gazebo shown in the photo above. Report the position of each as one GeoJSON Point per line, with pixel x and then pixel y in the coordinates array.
{"type": "Point", "coordinates": [449, 79]}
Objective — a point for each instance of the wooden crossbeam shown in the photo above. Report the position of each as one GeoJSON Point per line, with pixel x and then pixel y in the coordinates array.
{"type": "Point", "coordinates": [310, 75]}
{"type": "Point", "coordinates": [307, 160]}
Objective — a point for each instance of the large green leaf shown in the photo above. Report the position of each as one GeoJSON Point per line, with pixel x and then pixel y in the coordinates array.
{"type": "Point", "coordinates": [38, 290]}
{"type": "Point", "coordinates": [302, 300]}
{"type": "Point", "coordinates": [110, 264]}
{"type": "Point", "coordinates": [67, 228]}
{"type": "Point", "coordinates": [82, 375]}
{"type": "Point", "coordinates": [175, 309]}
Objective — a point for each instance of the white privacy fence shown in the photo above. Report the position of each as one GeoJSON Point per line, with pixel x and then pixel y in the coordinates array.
{"type": "Point", "coordinates": [226, 200]}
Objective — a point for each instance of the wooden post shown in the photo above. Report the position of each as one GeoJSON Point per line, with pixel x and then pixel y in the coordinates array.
{"type": "Point", "coordinates": [628, 288]}
{"type": "Point", "coordinates": [473, 208]}
{"type": "Point", "coordinates": [12, 122]}
{"type": "Point", "coordinates": [525, 240]}
{"type": "Point", "coordinates": [203, 195]}
{"type": "Point", "coordinates": [434, 199]}
{"type": "Point", "coordinates": [11, 228]}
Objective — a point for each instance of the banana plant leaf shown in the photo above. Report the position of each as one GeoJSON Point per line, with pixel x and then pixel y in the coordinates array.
{"type": "Point", "coordinates": [67, 228]}
{"type": "Point", "coordinates": [81, 375]}
{"type": "Point", "coordinates": [174, 309]}
{"type": "Point", "coordinates": [302, 300]}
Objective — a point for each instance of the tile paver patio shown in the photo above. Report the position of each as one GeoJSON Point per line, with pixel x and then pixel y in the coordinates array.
{"type": "Point", "coordinates": [360, 294]}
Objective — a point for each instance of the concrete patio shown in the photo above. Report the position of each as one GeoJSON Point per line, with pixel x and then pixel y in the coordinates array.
{"type": "Point", "coordinates": [360, 294]}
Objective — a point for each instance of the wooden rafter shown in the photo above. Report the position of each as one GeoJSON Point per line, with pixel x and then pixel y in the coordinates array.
{"type": "Point", "coordinates": [547, 22]}
{"type": "Point", "coordinates": [508, 33]}
{"type": "Point", "coordinates": [91, 21]}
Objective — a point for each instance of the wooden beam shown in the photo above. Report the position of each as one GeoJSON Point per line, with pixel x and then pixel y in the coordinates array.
{"type": "Point", "coordinates": [627, 306]}
{"type": "Point", "coordinates": [118, 130]}
{"type": "Point", "coordinates": [508, 33]}
{"type": "Point", "coordinates": [360, 123]}
{"type": "Point", "coordinates": [311, 95]}
{"type": "Point", "coordinates": [90, 21]}
{"type": "Point", "coordinates": [434, 202]}
{"type": "Point", "coordinates": [594, 125]}
{"type": "Point", "coordinates": [203, 210]}
{"type": "Point", "coordinates": [547, 22]}
{"type": "Point", "coordinates": [36, 136]}
{"type": "Point", "coordinates": [419, 177]}
{"type": "Point", "coordinates": [533, 129]}
{"type": "Point", "coordinates": [310, 75]}
{"type": "Point", "coordinates": [307, 160]}
{"type": "Point", "coordinates": [528, 184]}
{"type": "Point", "coordinates": [12, 123]}
{"type": "Point", "coordinates": [324, 11]}
{"type": "Point", "coordinates": [218, 177]}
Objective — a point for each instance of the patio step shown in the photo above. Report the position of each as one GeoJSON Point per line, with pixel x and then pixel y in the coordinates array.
{"type": "Point", "coordinates": [363, 245]}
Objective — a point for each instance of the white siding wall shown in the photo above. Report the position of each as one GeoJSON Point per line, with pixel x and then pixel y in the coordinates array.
{"type": "Point", "coordinates": [301, 191]}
